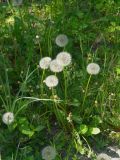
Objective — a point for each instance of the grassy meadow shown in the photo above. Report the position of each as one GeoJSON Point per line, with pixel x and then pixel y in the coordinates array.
{"type": "Point", "coordinates": [59, 79]}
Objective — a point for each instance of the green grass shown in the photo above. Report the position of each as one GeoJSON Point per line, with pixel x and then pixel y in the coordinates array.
{"type": "Point", "coordinates": [91, 103]}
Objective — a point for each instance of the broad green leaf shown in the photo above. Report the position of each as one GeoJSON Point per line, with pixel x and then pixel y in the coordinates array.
{"type": "Point", "coordinates": [94, 131]}
{"type": "Point", "coordinates": [39, 128]}
{"type": "Point", "coordinates": [28, 132]}
{"type": "Point", "coordinates": [118, 70]}
{"type": "Point", "coordinates": [83, 129]}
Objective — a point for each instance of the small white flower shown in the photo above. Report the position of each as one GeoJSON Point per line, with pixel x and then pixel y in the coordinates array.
{"type": "Point", "coordinates": [64, 58]}
{"type": "Point", "coordinates": [51, 81]}
{"type": "Point", "coordinates": [61, 40]}
{"type": "Point", "coordinates": [8, 117]}
{"type": "Point", "coordinates": [45, 62]}
{"type": "Point", "coordinates": [17, 2]}
{"type": "Point", "coordinates": [55, 67]}
{"type": "Point", "coordinates": [69, 118]}
{"type": "Point", "coordinates": [103, 156]}
{"type": "Point", "coordinates": [93, 68]}
{"type": "Point", "coordinates": [49, 153]}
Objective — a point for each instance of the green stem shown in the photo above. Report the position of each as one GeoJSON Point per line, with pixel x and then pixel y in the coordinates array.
{"type": "Point", "coordinates": [56, 111]}
{"type": "Point", "coordinates": [86, 90]}
{"type": "Point", "coordinates": [41, 83]}
{"type": "Point", "coordinates": [81, 48]}
{"type": "Point", "coordinates": [65, 85]}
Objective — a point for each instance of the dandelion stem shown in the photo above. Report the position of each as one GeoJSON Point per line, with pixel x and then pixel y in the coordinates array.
{"type": "Point", "coordinates": [57, 111]}
{"type": "Point", "coordinates": [65, 80]}
{"type": "Point", "coordinates": [86, 90]}
{"type": "Point", "coordinates": [41, 83]}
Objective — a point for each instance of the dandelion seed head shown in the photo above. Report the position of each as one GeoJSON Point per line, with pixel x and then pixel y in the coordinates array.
{"type": "Point", "coordinates": [96, 102]}
{"type": "Point", "coordinates": [64, 58]}
{"type": "Point", "coordinates": [103, 156]}
{"type": "Point", "coordinates": [45, 62]}
{"type": "Point", "coordinates": [55, 67]}
{"type": "Point", "coordinates": [49, 153]}
{"type": "Point", "coordinates": [61, 40]}
{"type": "Point", "coordinates": [93, 68]}
{"type": "Point", "coordinates": [51, 81]}
{"type": "Point", "coordinates": [8, 118]}
{"type": "Point", "coordinates": [37, 37]}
